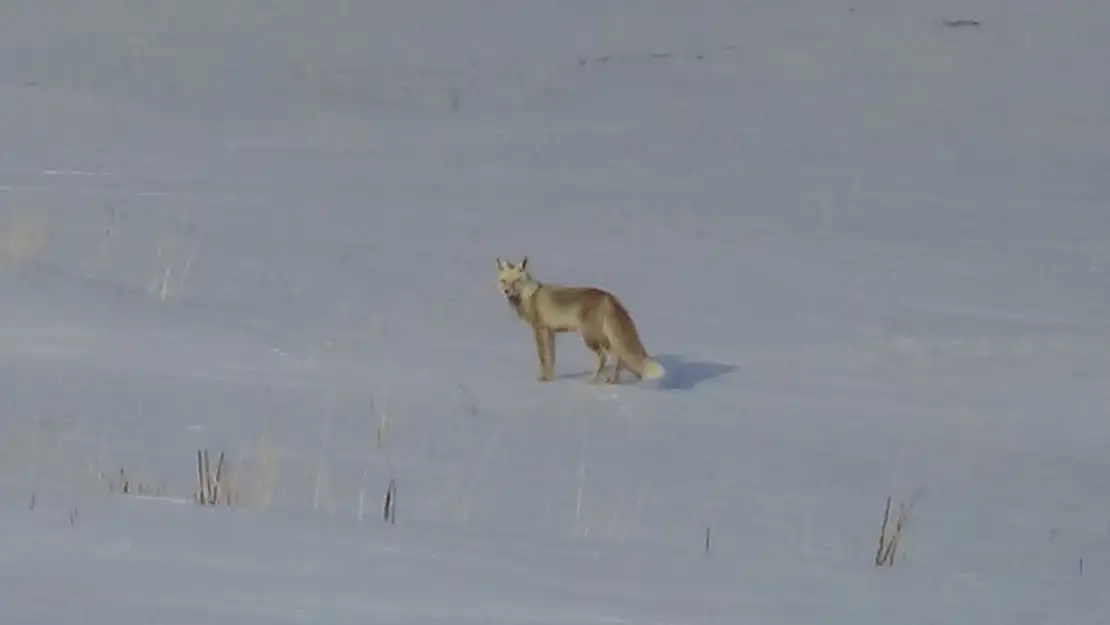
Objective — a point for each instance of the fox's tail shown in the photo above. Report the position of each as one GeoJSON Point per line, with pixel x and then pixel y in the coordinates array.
{"type": "Point", "coordinates": [652, 370]}
{"type": "Point", "coordinates": [624, 338]}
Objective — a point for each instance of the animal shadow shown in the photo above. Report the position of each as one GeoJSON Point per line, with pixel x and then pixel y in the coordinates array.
{"type": "Point", "coordinates": [683, 375]}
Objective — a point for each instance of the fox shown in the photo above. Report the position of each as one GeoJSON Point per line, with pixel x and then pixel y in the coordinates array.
{"type": "Point", "coordinates": [596, 314]}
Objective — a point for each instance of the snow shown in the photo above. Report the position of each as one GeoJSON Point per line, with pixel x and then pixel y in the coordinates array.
{"type": "Point", "coordinates": [869, 248]}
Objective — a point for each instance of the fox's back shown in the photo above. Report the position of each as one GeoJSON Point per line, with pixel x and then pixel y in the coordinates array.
{"type": "Point", "coordinates": [567, 308]}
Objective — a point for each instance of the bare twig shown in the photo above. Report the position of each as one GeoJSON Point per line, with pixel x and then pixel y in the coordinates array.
{"type": "Point", "coordinates": [201, 495]}
{"type": "Point", "coordinates": [890, 534]}
{"type": "Point", "coordinates": [389, 510]}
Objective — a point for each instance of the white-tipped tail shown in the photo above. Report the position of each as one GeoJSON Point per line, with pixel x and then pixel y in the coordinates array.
{"type": "Point", "coordinates": [653, 370]}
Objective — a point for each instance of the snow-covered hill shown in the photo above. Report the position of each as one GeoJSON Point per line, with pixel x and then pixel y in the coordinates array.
{"type": "Point", "coordinates": [869, 246]}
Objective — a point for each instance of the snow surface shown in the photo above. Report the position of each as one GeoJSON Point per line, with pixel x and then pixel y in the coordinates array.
{"type": "Point", "coordinates": [871, 250]}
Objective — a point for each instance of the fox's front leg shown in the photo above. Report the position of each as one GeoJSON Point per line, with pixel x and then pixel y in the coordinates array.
{"type": "Point", "coordinates": [545, 348]}
{"type": "Point", "coordinates": [549, 344]}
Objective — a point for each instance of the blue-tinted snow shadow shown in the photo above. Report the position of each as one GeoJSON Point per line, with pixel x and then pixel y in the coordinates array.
{"type": "Point", "coordinates": [683, 374]}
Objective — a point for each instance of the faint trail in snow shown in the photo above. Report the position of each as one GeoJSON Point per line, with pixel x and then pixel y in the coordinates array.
{"type": "Point", "coordinates": [226, 198]}
{"type": "Point", "coordinates": [55, 172]}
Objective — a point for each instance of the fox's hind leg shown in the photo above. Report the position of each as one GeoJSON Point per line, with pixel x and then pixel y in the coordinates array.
{"type": "Point", "coordinates": [616, 377]}
{"type": "Point", "coordinates": [604, 350]}
{"type": "Point", "coordinates": [595, 347]}
{"type": "Point", "coordinates": [599, 345]}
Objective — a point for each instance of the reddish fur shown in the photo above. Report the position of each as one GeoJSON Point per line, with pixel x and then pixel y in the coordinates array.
{"type": "Point", "coordinates": [600, 317]}
{"type": "Point", "coordinates": [628, 337]}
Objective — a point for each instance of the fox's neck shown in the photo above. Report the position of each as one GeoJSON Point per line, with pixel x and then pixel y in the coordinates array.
{"type": "Point", "coordinates": [529, 289]}
{"type": "Point", "coordinates": [524, 304]}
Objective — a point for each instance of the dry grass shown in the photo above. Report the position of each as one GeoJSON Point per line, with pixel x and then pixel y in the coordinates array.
{"type": "Point", "coordinates": [127, 484]}
{"type": "Point", "coordinates": [214, 488]}
{"type": "Point", "coordinates": [890, 534]}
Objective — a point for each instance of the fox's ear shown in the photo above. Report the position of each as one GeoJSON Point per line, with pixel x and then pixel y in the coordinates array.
{"type": "Point", "coordinates": [524, 263]}
{"type": "Point", "coordinates": [500, 263]}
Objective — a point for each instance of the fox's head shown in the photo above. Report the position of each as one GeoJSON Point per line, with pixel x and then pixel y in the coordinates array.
{"type": "Point", "coordinates": [511, 277]}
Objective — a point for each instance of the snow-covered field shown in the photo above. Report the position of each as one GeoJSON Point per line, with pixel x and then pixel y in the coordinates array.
{"type": "Point", "coordinates": [871, 249]}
